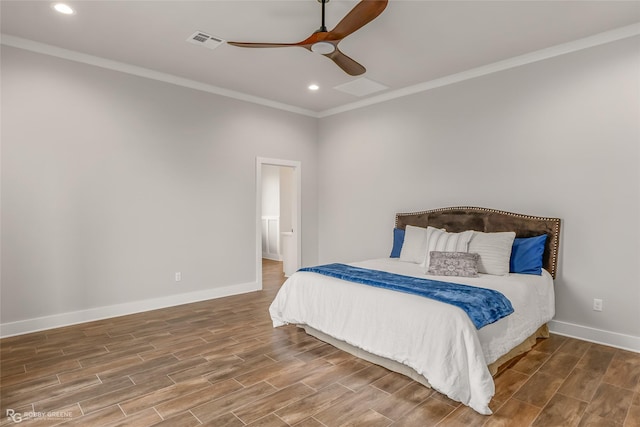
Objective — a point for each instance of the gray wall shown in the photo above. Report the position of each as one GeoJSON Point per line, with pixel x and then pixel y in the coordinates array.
{"type": "Point", "coordinates": [111, 183]}
{"type": "Point", "coordinates": [558, 137]}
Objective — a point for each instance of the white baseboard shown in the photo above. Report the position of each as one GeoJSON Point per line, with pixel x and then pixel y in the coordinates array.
{"type": "Point", "coordinates": [71, 318]}
{"type": "Point", "coordinates": [598, 336]}
{"type": "Point", "coordinates": [272, 257]}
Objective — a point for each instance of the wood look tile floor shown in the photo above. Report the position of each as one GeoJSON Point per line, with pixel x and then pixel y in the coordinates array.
{"type": "Point", "coordinates": [221, 363]}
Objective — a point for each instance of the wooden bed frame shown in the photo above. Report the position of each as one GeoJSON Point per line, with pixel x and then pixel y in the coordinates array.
{"type": "Point", "coordinates": [458, 219]}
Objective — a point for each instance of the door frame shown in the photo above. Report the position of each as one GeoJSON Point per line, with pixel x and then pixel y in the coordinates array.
{"type": "Point", "coordinates": [297, 217]}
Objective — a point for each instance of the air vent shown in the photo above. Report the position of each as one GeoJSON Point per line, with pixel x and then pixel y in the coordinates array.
{"type": "Point", "coordinates": [204, 39]}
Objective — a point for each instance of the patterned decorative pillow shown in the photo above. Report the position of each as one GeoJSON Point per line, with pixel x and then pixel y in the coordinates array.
{"type": "Point", "coordinates": [463, 264]}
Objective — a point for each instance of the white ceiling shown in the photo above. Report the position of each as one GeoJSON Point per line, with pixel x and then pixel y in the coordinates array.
{"type": "Point", "coordinates": [410, 43]}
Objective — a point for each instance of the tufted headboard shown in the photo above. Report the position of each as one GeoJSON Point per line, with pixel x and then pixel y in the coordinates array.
{"type": "Point", "coordinates": [458, 219]}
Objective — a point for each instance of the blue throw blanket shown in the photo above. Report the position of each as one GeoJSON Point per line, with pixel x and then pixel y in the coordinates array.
{"type": "Point", "coordinates": [484, 306]}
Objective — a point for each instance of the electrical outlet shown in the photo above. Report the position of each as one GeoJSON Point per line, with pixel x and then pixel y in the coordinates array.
{"type": "Point", "coordinates": [597, 304]}
{"type": "Point", "coordinates": [178, 276]}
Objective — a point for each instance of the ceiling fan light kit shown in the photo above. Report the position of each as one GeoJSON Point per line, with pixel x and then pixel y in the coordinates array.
{"type": "Point", "coordinates": [323, 48]}
{"type": "Point", "coordinates": [326, 42]}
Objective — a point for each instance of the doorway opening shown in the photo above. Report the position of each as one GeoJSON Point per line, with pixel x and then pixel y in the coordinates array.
{"type": "Point", "coordinates": [278, 215]}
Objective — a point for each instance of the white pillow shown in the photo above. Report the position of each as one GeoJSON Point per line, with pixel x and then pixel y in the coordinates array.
{"type": "Point", "coordinates": [494, 250]}
{"type": "Point", "coordinates": [414, 245]}
{"type": "Point", "coordinates": [441, 241]}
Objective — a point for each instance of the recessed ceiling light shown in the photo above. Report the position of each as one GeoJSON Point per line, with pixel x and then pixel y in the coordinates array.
{"type": "Point", "coordinates": [314, 87]}
{"type": "Point", "coordinates": [63, 8]}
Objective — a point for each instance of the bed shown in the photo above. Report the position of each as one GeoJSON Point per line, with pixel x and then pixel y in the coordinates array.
{"type": "Point", "coordinates": [433, 342]}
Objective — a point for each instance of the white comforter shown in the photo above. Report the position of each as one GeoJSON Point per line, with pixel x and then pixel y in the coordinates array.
{"type": "Point", "coordinates": [437, 340]}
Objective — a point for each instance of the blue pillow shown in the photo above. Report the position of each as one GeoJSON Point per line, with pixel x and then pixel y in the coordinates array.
{"type": "Point", "coordinates": [398, 240]}
{"type": "Point", "coordinates": [526, 255]}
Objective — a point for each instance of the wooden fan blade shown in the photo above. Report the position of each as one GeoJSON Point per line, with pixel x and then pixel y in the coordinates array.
{"type": "Point", "coordinates": [242, 44]}
{"type": "Point", "coordinates": [347, 64]}
{"type": "Point", "coordinates": [363, 13]}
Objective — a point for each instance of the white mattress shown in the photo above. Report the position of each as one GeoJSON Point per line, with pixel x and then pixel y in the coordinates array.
{"type": "Point", "coordinates": [437, 340]}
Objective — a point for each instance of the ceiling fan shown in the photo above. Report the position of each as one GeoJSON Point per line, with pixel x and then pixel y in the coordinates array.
{"type": "Point", "coordinates": [326, 42]}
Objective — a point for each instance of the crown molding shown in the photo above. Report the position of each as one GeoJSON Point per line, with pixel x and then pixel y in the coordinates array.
{"type": "Point", "coordinates": [517, 61]}
{"type": "Point", "coordinates": [97, 61]}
